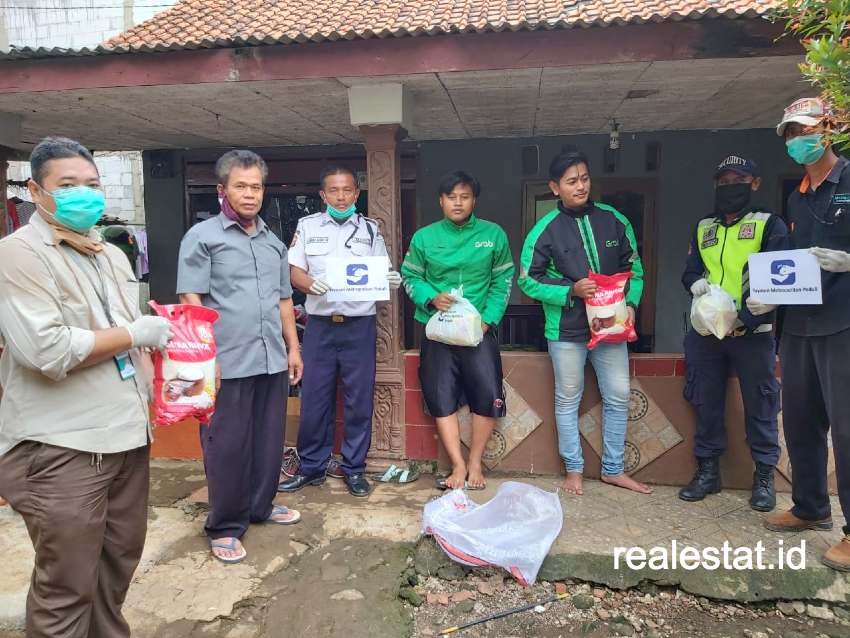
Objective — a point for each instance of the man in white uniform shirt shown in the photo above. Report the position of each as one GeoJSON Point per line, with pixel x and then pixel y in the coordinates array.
{"type": "Point", "coordinates": [340, 338]}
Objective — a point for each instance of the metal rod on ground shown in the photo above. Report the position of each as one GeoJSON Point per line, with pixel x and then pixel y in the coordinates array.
{"type": "Point", "coordinates": [502, 614]}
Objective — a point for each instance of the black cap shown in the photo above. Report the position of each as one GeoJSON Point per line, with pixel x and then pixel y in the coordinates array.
{"type": "Point", "coordinates": [739, 165]}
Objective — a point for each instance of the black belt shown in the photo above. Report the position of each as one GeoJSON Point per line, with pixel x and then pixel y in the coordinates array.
{"type": "Point", "coordinates": [335, 318]}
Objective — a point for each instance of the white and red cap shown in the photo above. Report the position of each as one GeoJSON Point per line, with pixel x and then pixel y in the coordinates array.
{"type": "Point", "coordinates": [807, 111]}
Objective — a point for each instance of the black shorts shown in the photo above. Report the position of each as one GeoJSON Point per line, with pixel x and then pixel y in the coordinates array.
{"type": "Point", "coordinates": [454, 376]}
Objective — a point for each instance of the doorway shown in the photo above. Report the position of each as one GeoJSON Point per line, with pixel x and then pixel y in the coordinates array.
{"type": "Point", "coordinates": [636, 199]}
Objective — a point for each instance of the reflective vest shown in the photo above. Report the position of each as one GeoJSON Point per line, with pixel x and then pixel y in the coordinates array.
{"type": "Point", "coordinates": [725, 250]}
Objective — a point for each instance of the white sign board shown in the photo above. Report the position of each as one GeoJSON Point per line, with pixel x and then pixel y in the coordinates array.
{"type": "Point", "coordinates": [357, 278]}
{"type": "Point", "coordinates": [785, 277]}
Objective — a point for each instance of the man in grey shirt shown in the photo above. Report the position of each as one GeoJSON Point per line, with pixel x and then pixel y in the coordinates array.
{"type": "Point", "coordinates": [236, 265]}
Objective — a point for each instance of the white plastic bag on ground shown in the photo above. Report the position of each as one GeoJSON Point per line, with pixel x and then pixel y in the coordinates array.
{"type": "Point", "coordinates": [714, 313]}
{"type": "Point", "coordinates": [460, 325]}
{"type": "Point", "coordinates": [514, 530]}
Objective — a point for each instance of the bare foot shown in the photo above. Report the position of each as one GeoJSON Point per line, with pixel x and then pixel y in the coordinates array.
{"type": "Point", "coordinates": [627, 482]}
{"type": "Point", "coordinates": [457, 479]}
{"type": "Point", "coordinates": [572, 484]}
{"type": "Point", "coordinates": [476, 477]}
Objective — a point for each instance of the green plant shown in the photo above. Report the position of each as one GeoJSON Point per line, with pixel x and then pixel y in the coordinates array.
{"type": "Point", "coordinates": [823, 27]}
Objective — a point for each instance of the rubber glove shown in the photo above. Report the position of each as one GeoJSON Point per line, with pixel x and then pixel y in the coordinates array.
{"type": "Point", "coordinates": [150, 332]}
{"type": "Point", "coordinates": [319, 287]}
{"type": "Point", "coordinates": [758, 308]}
{"type": "Point", "coordinates": [394, 279]}
{"type": "Point", "coordinates": [832, 260]}
{"type": "Point", "coordinates": [700, 287]}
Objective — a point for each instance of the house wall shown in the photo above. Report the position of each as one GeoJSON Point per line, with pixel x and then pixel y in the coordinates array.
{"type": "Point", "coordinates": [86, 23]}
{"type": "Point", "coordinates": [685, 191]}
{"type": "Point", "coordinates": [78, 24]}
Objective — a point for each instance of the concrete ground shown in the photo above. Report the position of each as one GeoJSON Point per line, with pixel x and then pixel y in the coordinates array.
{"type": "Point", "coordinates": [338, 572]}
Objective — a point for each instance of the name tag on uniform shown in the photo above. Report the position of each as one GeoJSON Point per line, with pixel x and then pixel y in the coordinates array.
{"type": "Point", "coordinates": [785, 277]}
{"type": "Point", "coordinates": [126, 369]}
{"type": "Point", "coordinates": [357, 278]}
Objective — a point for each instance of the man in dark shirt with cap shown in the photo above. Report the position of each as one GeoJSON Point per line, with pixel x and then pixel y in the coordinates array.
{"type": "Point", "coordinates": [815, 344]}
{"type": "Point", "coordinates": [718, 255]}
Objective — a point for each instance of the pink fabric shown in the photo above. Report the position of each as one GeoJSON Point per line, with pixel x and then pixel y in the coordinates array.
{"type": "Point", "coordinates": [228, 211]}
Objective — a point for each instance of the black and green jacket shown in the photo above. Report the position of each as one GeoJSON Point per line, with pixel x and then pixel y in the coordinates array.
{"type": "Point", "coordinates": [562, 248]}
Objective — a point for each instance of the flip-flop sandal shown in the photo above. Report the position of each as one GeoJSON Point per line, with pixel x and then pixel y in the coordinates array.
{"type": "Point", "coordinates": [232, 546]}
{"type": "Point", "coordinates": [293, 516]}
{"type": "Point", "coordinates": [440, 483]}
{"type": "Point", "coordinates": [395, 474]}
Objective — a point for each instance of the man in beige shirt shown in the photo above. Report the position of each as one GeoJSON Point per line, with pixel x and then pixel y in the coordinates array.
{"type": "Point", "coordinates": [74, 430]}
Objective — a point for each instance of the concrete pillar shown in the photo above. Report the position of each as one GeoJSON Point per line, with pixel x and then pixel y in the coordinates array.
{"type": "Point", "coordinates": [384, 174]}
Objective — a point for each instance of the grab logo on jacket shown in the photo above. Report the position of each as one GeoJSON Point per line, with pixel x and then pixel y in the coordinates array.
{"type": "Point", "coordinates": [484, 244]}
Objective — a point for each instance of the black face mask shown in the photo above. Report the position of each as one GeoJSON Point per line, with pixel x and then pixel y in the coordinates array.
{"type": "Point", "coordinates": [732, 198]}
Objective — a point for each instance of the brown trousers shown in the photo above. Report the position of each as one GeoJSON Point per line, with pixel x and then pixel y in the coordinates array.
{"type": "Point", "coordinates": [87, 521]}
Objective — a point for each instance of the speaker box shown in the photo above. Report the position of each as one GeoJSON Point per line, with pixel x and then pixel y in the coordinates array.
{"type": "Point", "coordinates": [530, 160]}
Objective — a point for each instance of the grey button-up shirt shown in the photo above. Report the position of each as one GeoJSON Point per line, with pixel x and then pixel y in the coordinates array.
{"type": "Point", "coordinates": [243, 277]}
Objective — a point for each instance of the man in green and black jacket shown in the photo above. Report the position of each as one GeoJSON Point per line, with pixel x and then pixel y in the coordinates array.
{"type": "Point", "coordinates": [471, 255]}
{"type": "Point", "coordinates": [577, 237]}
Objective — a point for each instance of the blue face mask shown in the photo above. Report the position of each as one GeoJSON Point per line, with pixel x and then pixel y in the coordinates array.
{"type": "Point", "coordinates": [78, 208]}
{"type": "Point", "coordinates": [342, 214]}
{"type": "Point", "coordinates": [806, 149]}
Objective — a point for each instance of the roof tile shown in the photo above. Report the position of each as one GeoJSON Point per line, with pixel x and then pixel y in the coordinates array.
{"type": "Point", "coordinates": [192, 22]}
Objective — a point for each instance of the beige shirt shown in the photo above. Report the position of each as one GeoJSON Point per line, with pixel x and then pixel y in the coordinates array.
{"type": "Point", "coordinates": [49, 308]}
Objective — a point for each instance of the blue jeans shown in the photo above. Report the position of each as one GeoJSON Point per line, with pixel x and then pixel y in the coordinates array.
{"type": "Point", "coordinates": [611, 363]}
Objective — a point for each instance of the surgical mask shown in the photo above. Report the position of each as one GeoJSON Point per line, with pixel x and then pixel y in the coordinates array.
{"type": "Point", "coordinates": [78, 208]}
{"type": "Point", "coordinates": [342, 214]}
{"type": "Point", "coordinates": [806, 149]}
{"type": "Point", "coordinates": [732, 198]}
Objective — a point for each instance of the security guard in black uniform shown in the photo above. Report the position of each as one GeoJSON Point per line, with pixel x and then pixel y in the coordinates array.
{"type": "Point", "coordinates": [815, 343]}
{"type": "Point", "coordinates": [718, 254]}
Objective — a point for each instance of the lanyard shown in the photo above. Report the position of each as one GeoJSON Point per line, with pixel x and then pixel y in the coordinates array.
{"type": "Point", "coordinates": [101, 290]}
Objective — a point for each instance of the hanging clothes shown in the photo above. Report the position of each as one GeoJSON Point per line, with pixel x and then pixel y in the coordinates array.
{"type": "Point", "coordinates": [142, 263]}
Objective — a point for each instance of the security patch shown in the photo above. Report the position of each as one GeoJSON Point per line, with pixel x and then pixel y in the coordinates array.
{"type": "Point", "coordinates": [748, 231]}
{"type": "Point", "coordinates": [709, 237]}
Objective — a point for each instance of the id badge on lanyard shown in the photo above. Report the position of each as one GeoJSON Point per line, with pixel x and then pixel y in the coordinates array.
{"type": "Point", "coordinates": [126, 369]}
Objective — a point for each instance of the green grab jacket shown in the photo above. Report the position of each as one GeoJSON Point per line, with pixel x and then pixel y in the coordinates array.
{"type": "Point", "coordinates": [474, 257]}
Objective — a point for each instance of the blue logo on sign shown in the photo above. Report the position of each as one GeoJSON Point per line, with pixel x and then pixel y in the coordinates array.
{"type": "Point", "coordinates": [784, 272]}
{"type": "Point", "coordinates": [358, 274]}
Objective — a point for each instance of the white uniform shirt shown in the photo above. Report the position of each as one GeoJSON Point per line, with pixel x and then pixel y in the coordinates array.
{"type": "Point", "coordinates": [318, 237]}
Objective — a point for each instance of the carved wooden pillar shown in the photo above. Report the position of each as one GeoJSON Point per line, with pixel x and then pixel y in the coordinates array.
{"type": "Point", "coordinates": [383, 166]}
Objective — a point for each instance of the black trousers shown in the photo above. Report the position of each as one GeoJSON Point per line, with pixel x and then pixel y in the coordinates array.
{"type": "Point", "coordinates": [243, 450]}
{"type": "Point", "coordinates": [816, 389]}
{"type": "Point", "coordinates": [753, 358]}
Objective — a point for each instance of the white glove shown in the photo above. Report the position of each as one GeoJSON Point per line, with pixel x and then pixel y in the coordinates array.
{"type": "Point", "coordinates": [832, 260]}
{"type": "Point", "coordinates": [150, 332]}
{"type": "Point", "coordinates": [394, 279]}
{"type": "Point", "coordinates": [700, 287]}
{"type": "Point", "coordinates": [758, 308]}
{"type": "Point", "coordinates": [319, 287]}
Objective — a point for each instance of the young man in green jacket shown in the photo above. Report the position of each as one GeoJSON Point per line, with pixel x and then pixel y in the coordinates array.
{"type": "Point", "coordinates": [465, 253]}
{"type": "Point", "coordinates": [577, 237]}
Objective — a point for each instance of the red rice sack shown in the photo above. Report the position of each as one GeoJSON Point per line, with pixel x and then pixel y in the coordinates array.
{"type": "Point", "coordinates": [607, 312]}
{"type": "Point", "coordinates": [184, 373]}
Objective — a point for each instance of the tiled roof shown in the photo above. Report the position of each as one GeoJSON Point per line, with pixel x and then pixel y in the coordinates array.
{"type": "Point", "coordinates": [221, 23]}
